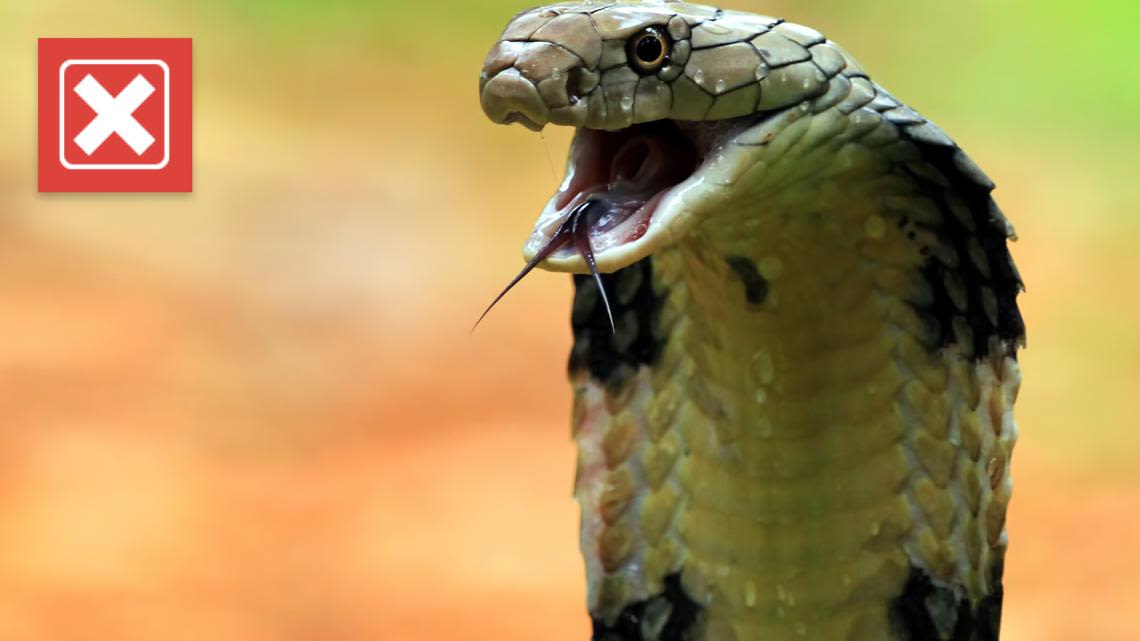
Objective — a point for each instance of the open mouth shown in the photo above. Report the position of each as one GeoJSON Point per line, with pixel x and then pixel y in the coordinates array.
{"type": "Point", "coordinates": [616, 189]}
{"type": "Point", "coordinates": [619, 181]}
{"type": "Point", "coordinates": [615, 181]}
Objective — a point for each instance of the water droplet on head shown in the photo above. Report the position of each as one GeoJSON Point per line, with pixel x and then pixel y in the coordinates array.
{"type": "Point", "coordinates": [749, 594]}
{"type": "Point", "coordinates": [699, 77]}
{"type": "Point", "coordinates": [762, 367]}
{"type": "Point", "coordinates": [771, 267]}
{"type": "Point", "coordinates": [555, 73]}
{"type": "Point", "coordinates": [875, 227]}
{"type": "Point", "coordinates": [720, 85]}
{"type": "Point", "coordinates": [626, 103]}
{"type": "Point", "coordinates": [761, 71]}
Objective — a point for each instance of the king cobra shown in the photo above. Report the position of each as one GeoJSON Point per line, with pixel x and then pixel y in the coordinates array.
{"type": "Point", "coordinates": [795, 330]}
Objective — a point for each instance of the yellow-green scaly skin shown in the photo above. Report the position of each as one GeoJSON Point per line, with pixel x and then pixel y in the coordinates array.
{"type": "Point", "coordinates": [818, 446]}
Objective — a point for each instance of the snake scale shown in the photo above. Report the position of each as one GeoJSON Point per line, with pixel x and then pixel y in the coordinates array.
{"type": "Point", "coordinates": [795, 330]}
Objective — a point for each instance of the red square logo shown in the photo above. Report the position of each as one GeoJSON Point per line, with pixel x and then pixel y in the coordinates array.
{"type": "Point", "coordinates": [115, 114]}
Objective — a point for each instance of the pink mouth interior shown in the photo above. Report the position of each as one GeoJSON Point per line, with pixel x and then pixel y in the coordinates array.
{"type": "Point", "coordinates": [627, 172]}
{"type": "Point", "coordinates": [618, 181]}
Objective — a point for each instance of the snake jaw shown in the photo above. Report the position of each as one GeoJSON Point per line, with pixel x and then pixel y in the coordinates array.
{"type": "Point", "coordinates": [627, 174]}
{"type": "Point", "coordinates": [657, 181]}
{"type": "Point", "coordinates": [616, 183]}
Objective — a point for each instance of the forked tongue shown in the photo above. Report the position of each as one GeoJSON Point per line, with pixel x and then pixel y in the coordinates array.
{"type": "Point", "coordinates": [639, 169]}
{"type": "Point", "coordinates": [575, 228]}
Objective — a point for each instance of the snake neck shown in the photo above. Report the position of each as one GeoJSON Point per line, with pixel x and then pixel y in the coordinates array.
{"type": "Point", "coordinates": [757, 454]}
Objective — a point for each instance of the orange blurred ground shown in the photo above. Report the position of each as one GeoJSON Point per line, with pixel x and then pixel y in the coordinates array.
{"type": "Point", "coordinates": [255, 413]}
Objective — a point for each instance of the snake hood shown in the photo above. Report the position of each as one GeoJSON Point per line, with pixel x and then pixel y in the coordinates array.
{"type": "Point", "coordinates": [794, 410]}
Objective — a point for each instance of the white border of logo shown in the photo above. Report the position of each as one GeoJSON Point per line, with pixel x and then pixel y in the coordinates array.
{"type": "Point", "coordinates": [165, 106]}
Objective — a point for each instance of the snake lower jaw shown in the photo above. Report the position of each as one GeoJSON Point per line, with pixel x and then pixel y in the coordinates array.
{"type": "Point", "coordinates": [647, 184]}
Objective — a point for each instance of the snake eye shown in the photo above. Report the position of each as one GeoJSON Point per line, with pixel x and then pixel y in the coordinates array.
{"type": "Point", "coordinates": [648, 50]}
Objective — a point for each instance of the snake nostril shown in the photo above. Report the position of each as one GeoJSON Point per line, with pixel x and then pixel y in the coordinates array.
{"type": "Point", "coordinates": [574, 84]}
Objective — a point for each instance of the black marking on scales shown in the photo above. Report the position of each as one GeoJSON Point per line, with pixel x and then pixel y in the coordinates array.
{"type": "Point", "coordinates": [980, 236]}
{"type": "Point", "coordinates": [669, 616]}
{"type": "Point", "coordinates": [613, 354]}
{"type": "Point", "coordinates": [755, 286]}
{"type": "Point", "coordinates": [925, 611]}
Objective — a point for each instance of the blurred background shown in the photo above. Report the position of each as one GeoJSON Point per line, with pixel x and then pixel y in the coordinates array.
{"type": "Point", "coordinates": [254, 412]}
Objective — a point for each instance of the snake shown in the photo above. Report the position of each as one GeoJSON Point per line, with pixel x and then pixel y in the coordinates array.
{"type": "Point", "coordinates": [795, 330]}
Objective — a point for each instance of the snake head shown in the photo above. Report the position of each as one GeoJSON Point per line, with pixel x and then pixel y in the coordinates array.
{"type": "Point", "coordinates": [658, 92]}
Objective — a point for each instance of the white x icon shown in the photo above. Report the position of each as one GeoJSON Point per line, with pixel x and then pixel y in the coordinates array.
{"type": "Point", "coordinates": [114, 114]}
